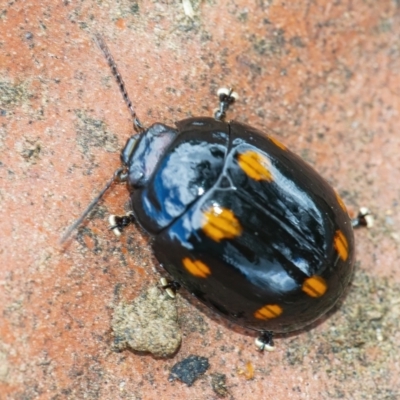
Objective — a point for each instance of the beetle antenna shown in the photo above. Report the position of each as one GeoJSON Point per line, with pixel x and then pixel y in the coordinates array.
{"type": "Point", "coordinates": [117, 176]}
{"type": "Point", "coordinates": [112, 64]}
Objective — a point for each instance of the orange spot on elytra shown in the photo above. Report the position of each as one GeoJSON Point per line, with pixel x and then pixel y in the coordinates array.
{"type": "Point", "coordinates": [341, 203]}
{"type": "Point", "coordinates": [255, 165]}
{"type": "Point", "coordinates": [315, 286]}
{"type": "Point", "coordinates": [196, 268]}
{"type": "Point", "coordinates": [277, 143]}
{"type": "Point", "coordinates": [341, 245]}
{"type": "Point", "coordinates": [268, 311]}
{"type": "Point", "coordinates": [221, 223]}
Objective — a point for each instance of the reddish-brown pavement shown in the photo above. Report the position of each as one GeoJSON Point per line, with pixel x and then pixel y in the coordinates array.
{"type": "Point", "coordinates": [325, 76]}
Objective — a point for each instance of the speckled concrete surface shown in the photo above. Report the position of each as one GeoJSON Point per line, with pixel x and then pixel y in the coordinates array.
{"type": "Point", "coordinates": [324, 75]}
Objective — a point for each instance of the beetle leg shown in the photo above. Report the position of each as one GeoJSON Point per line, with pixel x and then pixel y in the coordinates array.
{"type": "Point", "coordinates": [170, 287]}
{"type": "Point", "coordinates": [226, 98]}
{"type": "Point", "coordinates": [117, 224]}
{"type": "Point", "coordinates": [363, 219]}
{"type": "Point", "coordinates": [265, 341]}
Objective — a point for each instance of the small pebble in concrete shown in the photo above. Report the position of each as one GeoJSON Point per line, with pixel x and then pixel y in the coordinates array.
{"type": "Point", "coordinates": [148, 324]}
{"type": "Point", "coordinates": [218, 383]}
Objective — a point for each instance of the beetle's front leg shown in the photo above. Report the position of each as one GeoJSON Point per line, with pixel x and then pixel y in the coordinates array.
{"type": "Point", "coordinates": [117, 224]}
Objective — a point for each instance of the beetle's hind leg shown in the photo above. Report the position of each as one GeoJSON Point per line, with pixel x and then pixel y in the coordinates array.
{"type": "Point", "coordinates": [363, 219]}
{"type": "Point", "coordinates": [117, 224]}
{"type": "Point", "coordinates": [170, 287]}
{"type": "Point", "coordinates": [265, 341]}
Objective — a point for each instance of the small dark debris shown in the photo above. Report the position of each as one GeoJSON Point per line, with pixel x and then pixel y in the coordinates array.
{"type": "Point", "coordinates": [30, 150]}
{"type": "Point", "coordinates": [134, 8]}
{"type": "Point", "coordinates": [218, 383]}
{"type": "Point", "coordinates": [189, 369]}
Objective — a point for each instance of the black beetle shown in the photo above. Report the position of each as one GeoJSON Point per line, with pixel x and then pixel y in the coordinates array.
{"type": "Point", "coordinates": [242, 223]}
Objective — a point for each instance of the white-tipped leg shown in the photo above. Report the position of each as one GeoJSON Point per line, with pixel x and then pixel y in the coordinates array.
{"type": "Point", "coordinates": [113, 225]}
{"type": "Point", "coordinates": [225, 92]}
{"type": "Point", "coordinates": [364, 219]}
{"type": "Point", "coordinates": [369, 219]}
{"type": "Point", "coordinates": [169, 287]}
{"type": "Point", "coordinates": [117, 224]}
{"type": "Point", "coordinates": [226, 98]}
{"type": "Point", "coordinates": [265, 342]}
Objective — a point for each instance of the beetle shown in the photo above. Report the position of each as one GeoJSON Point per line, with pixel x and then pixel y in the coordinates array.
{"type": "Point", "coordinates": [241, 222]}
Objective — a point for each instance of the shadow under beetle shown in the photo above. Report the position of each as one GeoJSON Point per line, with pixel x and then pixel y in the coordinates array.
{"type": "Point", "coordinates": [245, 225]}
